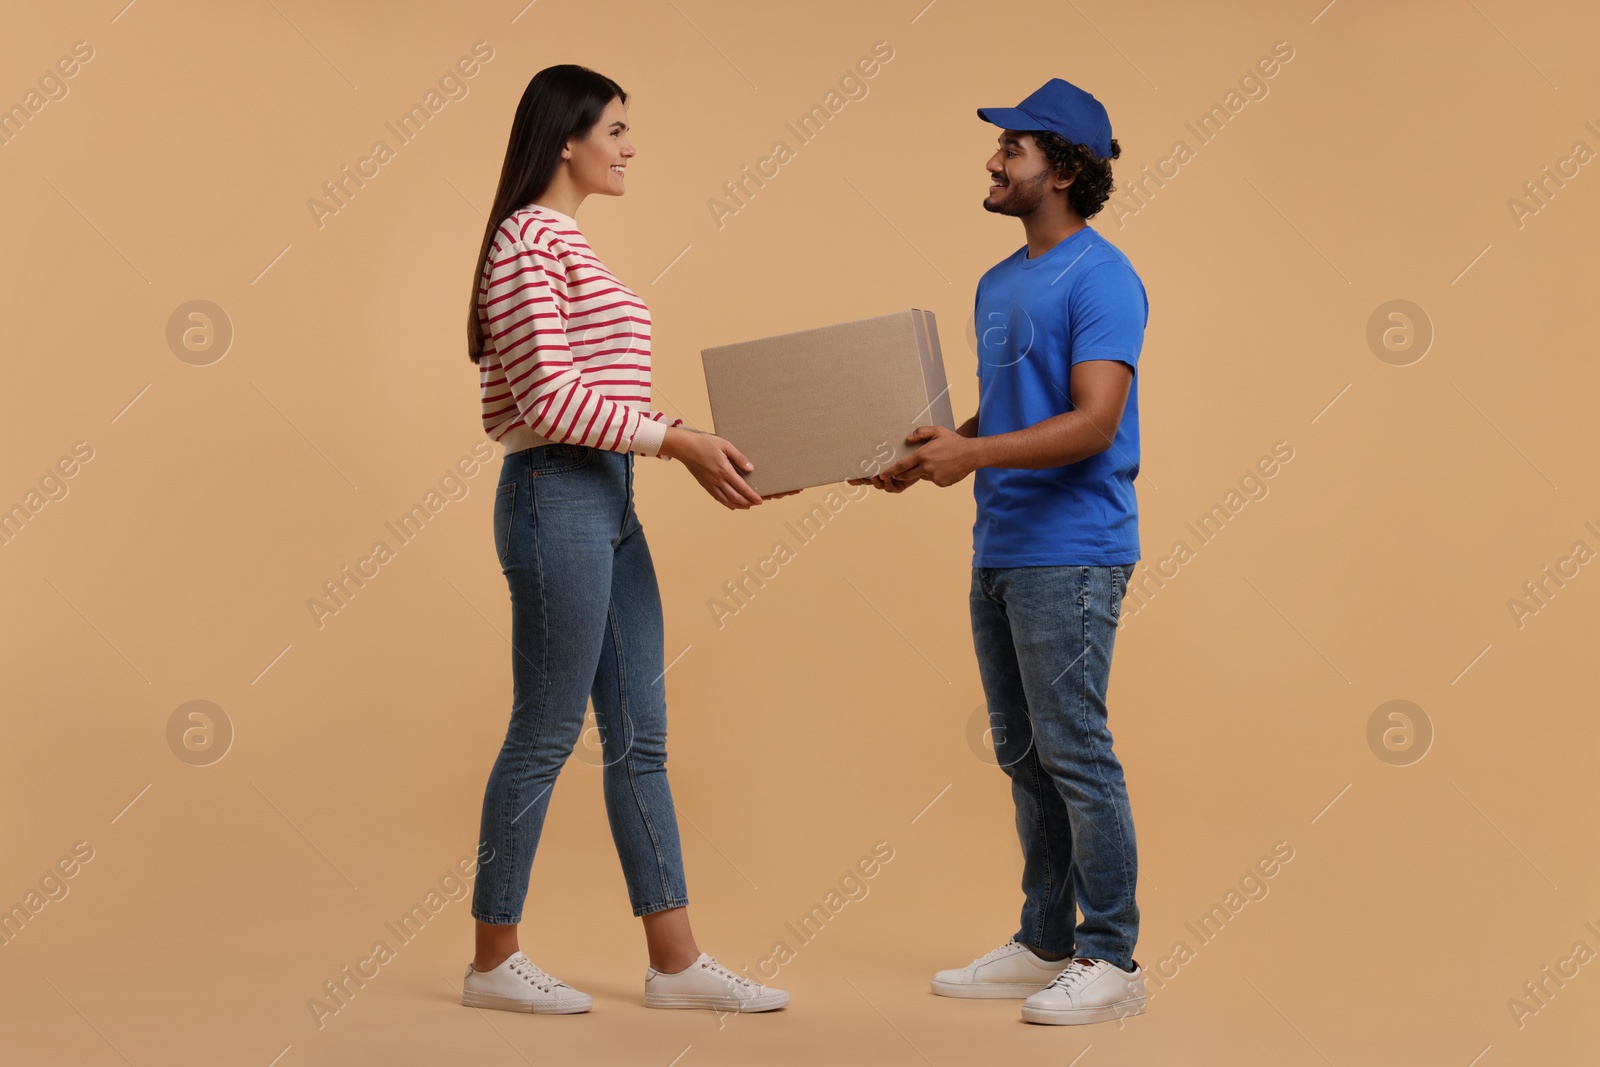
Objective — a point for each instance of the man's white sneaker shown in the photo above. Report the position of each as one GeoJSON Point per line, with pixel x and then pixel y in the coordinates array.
{"type": "Point", "coordinates": [518, 985]}
{"type": "Point", "coordinates": [1012, 970]}
{"type": "Point", "coordinates": [705, 983]}
{"type": "Point", "coordinates": [1088, 991]}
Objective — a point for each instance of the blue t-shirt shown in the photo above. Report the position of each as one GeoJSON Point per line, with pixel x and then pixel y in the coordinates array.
{"type": "Point", "coordinates": [1035, 318]}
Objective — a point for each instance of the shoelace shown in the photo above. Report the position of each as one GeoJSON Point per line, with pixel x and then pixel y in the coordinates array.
{"type": "Point", "coordinates": [1072, 976]}
{"type": "Point", "coordinates": [1005, 949]}
{"type": "Point", "coordinates": [531, 973]}
{"type": "Point", "coordinates": [710, 964]}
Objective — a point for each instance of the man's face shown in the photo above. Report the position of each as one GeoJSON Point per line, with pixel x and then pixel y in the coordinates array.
{"type": "Point", "coordinates": [1019, 175]}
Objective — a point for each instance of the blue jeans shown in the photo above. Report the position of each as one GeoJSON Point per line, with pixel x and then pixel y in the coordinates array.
{"type": "Point", "coordinates": [585, 624]}
{"type": "Point", "coordinates": [1043, 637]}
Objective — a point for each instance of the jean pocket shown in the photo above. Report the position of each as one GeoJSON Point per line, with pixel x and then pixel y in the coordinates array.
{"type": "Point", "coordinates": [505, 509]}
{"type": "Point", "coordinates": [1121, 575]}
{"type": "Point", "coordinates": [559, 459]}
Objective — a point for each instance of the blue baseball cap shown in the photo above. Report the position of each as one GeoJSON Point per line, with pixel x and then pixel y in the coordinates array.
{"type": "Point", "coordinates": [1064, 110]}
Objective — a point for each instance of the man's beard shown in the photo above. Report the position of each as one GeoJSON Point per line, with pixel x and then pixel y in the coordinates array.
{"type": "Point", "coordinates": [1020, 198]}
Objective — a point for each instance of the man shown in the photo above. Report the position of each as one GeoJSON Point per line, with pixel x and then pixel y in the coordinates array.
{"type": "Point", "coordinates": [1055, 445]}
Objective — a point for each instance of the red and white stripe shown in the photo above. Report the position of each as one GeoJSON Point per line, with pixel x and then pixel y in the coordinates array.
{"type": "Point", "coordinates": [566, 353]}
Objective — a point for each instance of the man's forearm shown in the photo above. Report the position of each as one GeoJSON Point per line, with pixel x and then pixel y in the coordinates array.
{"type": "Point", "coordinates": [1054, 442]}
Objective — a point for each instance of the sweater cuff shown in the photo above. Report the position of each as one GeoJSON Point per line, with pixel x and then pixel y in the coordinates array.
{"type": "Point", "coordinates": [649, 437]}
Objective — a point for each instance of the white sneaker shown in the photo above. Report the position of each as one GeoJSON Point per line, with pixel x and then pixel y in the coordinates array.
{"type": "Point", "coordinates": [518, 985]}
{"type": "Point", "coordinates": [1012, 970]}
{"type": "Point", "coordinates": [1088, 991]}
{"type": "Point", "coordinates": [705, 983]}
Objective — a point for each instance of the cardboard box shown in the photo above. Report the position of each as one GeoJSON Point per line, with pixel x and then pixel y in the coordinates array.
{"type": "Point", "coordinates": [824, 405]}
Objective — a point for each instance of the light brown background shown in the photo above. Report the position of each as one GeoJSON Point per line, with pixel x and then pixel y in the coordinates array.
{"type": "Point", "coordinates": [830, 712]}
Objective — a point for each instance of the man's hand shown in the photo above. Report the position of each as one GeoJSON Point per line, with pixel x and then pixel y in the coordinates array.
{"type": "Point", "coordinates": [944, 459]}
{"type": "Point", "coordinates": [879, 481]}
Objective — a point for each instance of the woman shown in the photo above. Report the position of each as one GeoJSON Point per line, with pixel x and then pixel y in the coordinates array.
{"type": "Point", "coordinates": [563, 352]}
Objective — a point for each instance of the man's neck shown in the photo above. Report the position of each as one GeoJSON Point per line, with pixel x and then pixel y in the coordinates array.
{"type": "Point", "coordinates": [1045, 231]}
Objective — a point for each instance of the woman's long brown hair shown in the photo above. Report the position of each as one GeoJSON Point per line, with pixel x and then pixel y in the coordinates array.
{"type": "Point", "coordinates": [560, 103]}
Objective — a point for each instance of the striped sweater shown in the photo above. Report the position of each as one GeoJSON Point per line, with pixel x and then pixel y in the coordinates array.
{"type": "Point", "coordinates": [566, 346]}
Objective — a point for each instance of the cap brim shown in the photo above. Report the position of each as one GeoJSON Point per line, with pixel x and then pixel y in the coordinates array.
{"type": "Point", "coordinates": [1008, 118]}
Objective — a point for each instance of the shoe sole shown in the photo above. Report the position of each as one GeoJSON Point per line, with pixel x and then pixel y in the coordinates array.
{"type": "Point", "coordinates": [988, 990]}
{"type": "Point", "coordinates": [701, 1000]}
{"type": "Point", "coordinates": [490, 1000]}
{"type": "Point", "coordinates": [1071, 1016]}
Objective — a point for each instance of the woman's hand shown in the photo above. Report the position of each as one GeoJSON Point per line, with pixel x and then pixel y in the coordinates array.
{"type": "Point", "coordinates": [715, 464]}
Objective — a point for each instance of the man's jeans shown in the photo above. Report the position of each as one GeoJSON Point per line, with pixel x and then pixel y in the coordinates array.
{"type": "Point", "coordinates": [1043, 637]}
{"type": "Point", "coordinates": [585, 624]}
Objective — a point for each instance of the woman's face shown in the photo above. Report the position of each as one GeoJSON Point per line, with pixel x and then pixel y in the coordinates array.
{"type": "Point", "coordinates": [596, 162]}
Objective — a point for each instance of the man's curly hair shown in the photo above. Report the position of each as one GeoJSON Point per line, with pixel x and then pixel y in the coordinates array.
{"type": "Point", "coordinates": [1091, 173]}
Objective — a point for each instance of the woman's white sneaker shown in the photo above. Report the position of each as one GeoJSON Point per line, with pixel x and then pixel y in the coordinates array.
{"type": "Point", "coordinates": [1012, 970]}
{"type": "Point", "coordinates": [705, 983]}
{"type": "Point", "coordinates": [518, 985]}
{"type": "Point", "coordinates": [1088, 991]}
